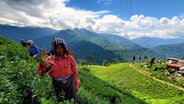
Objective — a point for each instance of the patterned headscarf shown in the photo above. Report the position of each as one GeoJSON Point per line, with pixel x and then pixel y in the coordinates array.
{"type": "Point", "coordinates": [57, 41]}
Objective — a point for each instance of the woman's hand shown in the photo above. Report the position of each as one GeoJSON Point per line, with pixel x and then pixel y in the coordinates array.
{"type": "Point", "coordinates": [34, 56]}
{"type": "Point", "coordinates": [43, 62]}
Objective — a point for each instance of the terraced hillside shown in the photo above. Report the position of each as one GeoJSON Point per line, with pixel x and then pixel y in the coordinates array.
{"type": "Point", "coordinates": [126, 78]}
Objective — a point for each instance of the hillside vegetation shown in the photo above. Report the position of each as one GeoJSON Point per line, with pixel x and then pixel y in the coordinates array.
{"type": "Point", "coordinates": [20, 83]}
{"type": "Point", "coordinates": [146, 88]}
{"type": "Point", "coordinates": [114, 84]}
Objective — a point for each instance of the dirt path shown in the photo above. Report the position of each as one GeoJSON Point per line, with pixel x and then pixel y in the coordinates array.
{"type": "Point", "coordinates": [149, 75]}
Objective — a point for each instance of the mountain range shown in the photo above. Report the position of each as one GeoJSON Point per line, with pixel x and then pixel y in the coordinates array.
{"type": "Point", "coordinates": [16, 33]}
{"type": "Point", "coordinates": [150, 42]}
{"type": "Point", "coordinates": [101, 46]}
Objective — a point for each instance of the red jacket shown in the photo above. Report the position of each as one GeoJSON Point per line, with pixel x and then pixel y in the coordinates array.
{"type": "Point", "coordinates": [61, 67]}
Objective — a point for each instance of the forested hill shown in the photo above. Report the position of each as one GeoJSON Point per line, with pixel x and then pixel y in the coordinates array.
{"type": "Point", "coordinates": [21, 84]}
{"type": "Point", "coordinates": [85, 43]}
{"type": "Point", "coordinates": [150, 42]}
{"type": "Point", "coordinates": [106, 41]}
{"type": "Point", "coordinates": [175, 50]}
{"type": "Point", "coordinates": [17, 33]}
{"type": "Point", "coordinates": [100, 46]}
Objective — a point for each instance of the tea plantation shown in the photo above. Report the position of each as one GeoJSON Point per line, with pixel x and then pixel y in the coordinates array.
{"type": "Point", "coordinates": [20, 83]}
{"type": "Point", "coordinates": [151, 91]}
{"type": "Point", "coordinates": [114, 84]}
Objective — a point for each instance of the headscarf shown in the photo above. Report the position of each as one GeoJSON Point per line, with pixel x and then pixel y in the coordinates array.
{"type": "Point", "coordinates": [30, 42]}
{"type": "Point", "coordinates": [56, 41]}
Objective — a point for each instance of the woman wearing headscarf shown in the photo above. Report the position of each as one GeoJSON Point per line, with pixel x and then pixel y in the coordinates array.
{"type": "Point", "coordinates": [34, 51]}
{"type": "Point", "coordinates": [62, 68]}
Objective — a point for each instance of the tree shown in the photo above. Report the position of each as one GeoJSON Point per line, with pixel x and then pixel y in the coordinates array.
{"type": "Point", "coordinates": [83, 62]}
{"type": "Point", "coordinates": [133, 59]}
{"type": "Point", "coordinates": [115, 60]}
{"type": "Point", "coordinates": [145, 58]}
{"type": "Point", "coordinates": [90, 60]}
{"type": "Point", "coordinates": [106, 63]}
{"type": "Point", "coordinates": [152, 61]}
{"type": "Point", "coordinates": [84, 65]}
{"type": "Point", "coordinates": [139, 58]}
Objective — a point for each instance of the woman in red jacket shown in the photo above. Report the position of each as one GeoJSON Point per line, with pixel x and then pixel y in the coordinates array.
{"type": "Point", "coordinates": [62, 68]}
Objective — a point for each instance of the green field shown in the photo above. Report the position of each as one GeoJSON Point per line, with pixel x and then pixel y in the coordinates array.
{"type": "Point", "coordinates": [126, 78]}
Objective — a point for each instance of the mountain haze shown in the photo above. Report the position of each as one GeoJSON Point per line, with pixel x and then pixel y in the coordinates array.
{"type": "Point", "coordinates": [148, 42]}
{"type": "Point", "coordinates": [175, 50]}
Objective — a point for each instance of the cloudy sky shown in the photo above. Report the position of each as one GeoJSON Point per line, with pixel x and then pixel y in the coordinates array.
{"type": "Point", "coordinates": [127, 18]}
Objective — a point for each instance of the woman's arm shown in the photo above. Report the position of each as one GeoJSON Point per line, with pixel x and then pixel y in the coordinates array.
{"type": "Point", "coordinates": [37, 51]}
{"type": "Point", "coordinates": [75, 71]}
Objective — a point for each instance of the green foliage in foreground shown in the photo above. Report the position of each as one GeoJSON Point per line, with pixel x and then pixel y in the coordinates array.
{"type": "Point", "coordinates": [20, 83]}
{"type": "Point", "coordinates": [124, 77]}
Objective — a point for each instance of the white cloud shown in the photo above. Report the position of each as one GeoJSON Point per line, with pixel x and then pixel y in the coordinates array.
{"type": "Point", "coordinates": [55, 14]}
{"type": "Point", "coordinates": [141, 26]}
{"type": "Point", "coordinates": [109, 24]}
{"type": "Point", "coordinates": [105, 2]}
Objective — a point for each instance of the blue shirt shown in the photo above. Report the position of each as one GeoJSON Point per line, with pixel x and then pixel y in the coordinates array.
{"type": "Point", "coordinates": [34, 51]}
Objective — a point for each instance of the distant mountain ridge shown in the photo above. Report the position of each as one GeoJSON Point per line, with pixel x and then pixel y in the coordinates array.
{"type": "Point", "coordinates": [101, 46]}
{"type": "Point", "coordinates": [148, 42]}
{"type": "Point", "coordinates": [107, 41]}
{"type": "Point", "coordinates": [86, 43]}
{"type": "Point", "coordinates": [16, 33]}
{"type": "Point", "coordinates": [174, 50]}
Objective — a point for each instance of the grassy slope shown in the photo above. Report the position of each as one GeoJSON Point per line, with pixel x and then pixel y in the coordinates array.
{"type": "Point", "coordinates": [103, 89]}
{"type": "Point", "coordinates": [20, 83]}
{"type": "Point", "coordinates": [122, 76]}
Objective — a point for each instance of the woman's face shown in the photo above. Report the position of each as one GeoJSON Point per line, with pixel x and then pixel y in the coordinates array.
{"type": "Point", "coordinates": [30, 45]}
{"type": "Point", "coordinates": [60, 50]}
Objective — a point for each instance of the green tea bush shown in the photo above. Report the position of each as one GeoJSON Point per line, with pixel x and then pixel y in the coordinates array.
{"type": "Point", "coordinates": [8, 92]}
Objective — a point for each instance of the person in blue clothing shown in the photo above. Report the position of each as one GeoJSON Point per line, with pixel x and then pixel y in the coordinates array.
{"type": "Point", "coordinates": [33, 49]}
